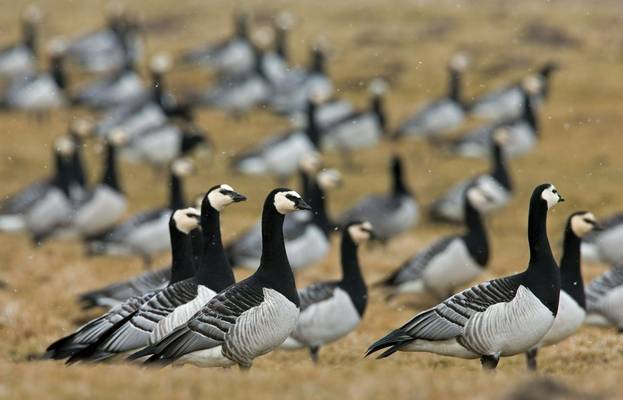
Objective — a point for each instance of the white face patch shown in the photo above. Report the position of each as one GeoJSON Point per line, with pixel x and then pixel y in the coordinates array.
{"type": "Point", "coordinates": [459, 62]}
{"type": "Point", "coordinates": [64, 145]}
{"type": "Point", "coordinates": [118, 137]}
{"type": "Point", "coordinates": [501, 136]}
{"type": "Point", "coordinates": [360, 233]}
{"type": "Point", "coordinates": [218, 200]}
{"type": "Point", "coordinates": [184, 220]}
{"type": "Point", "coordinates": [551, 196]}
{"type": "Point", "coordinates": [182, 167]}
{"type": "Point", "coordinates": [329, 179]}
{"type": "Point", "coordinates": [531, 84]}
{"type": "Point", "coordinates": [311, 162]}
{"type": "Point", "coordinates": [582, 224]}
{"type": "Point", "coordinates": [476, 198]}
{"type": "Point", "coordinates": [283, 204]}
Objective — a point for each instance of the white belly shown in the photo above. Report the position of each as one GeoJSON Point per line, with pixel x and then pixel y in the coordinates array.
{"type": "Point", "coordinates": [51, 211]}
{"type": "Point", "coordinates": [101, 212]}
{"type": "Point", "coordinates": [610, 245]}
{"type": "Point", "coordinates": [611, 306]}
{"type": "Point", "coordinates": [453, 268]}
{"type": "Point", "coordinates": [40, 94]}
{"type": "Point", "coordinates": [354, 134]}
{"type": "Point", "coordinates": [308, 249]}
{"type": "Point", "coordinates": [283, 158]}
{"type": "Point", "coordinates": [568, 320]}
{"type": "Point", "coordinates": [209, 358]}
{"type": "Point", "coordinates": [150, 238]}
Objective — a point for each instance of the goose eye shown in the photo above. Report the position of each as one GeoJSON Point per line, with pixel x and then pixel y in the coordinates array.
{"type": "Point", "coordinates": [554, 191]}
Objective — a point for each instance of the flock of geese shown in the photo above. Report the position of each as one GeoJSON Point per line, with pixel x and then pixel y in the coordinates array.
{"type": "Point", "coordinates": [193, 311]}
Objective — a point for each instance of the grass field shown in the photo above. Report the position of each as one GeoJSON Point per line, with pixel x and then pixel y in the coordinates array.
{"type": "Point", "coordinates": [407, 42]}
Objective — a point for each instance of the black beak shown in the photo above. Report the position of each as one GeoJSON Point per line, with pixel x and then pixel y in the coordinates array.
{"type": "Point", "coordinates": [371, 233]}
{"type": "Point", "coordinates": [596, 226]}
{"type": "Point", "coordinates": [560, 198]}
{"type": "Point", "coordinates": [300, 204]}
{"type": "Point", "coordinates": [237, 197]}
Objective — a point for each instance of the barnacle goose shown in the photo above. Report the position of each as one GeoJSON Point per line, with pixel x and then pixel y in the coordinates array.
{"type": "Point", "coordinates": [523, 131]}
{"type": "Point", "coordinates": [175, 304]}
{"type": "Point", "coordinates": [604, 299]}
{"type": "Point", "coordinates": [251, 317]}
{"type": "Point", "coordinates": [275, 61]}
{"type": "Point", "coordinates": [184, 241]}
{"type": "Point", "coordinates": [233, 56]}
{"type": "Point", "coordinates": [21, 59]}
{"type": "Point", "coordinates": [330, 310]}
{"type": "Point", "coordinates": [360, 129]}
{"type": "Point", "coordinates": [392, 213]}
{"type": "Point", "coordinates": [498, 318]}
{"type": "Point", "coordinates": [443, 115]}
{"type": "Point", "coordinates": [40, 91]}
{"type": "Point", "coordinates": [279, 155]}
{"type": "Point", "coordinates": [604, 245]}
{"type": "Point", "coordinates": [508, 102]}
{"type": "Point", "coordinates": [145, 233]}
{"type": "Point", "coordinates": [497, 185]}
{"type": "Point", "coordinates": [572, 302]}
{"type": "Point", "coordinates": [450, 262]}
{"type": "Point", "coordinates": [307, 237]}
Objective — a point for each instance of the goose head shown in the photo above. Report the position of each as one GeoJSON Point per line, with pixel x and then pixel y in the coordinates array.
{"type": "Point", "coordinates": [311, 162]}
{"type": "Point", "coordinates": [118, 137]}
{"type": "Point", "coordinates": [194, 141]}
{"type": "Point", "coordinates": [360, 232]}
{"type": "Point", "coordinates": [459, 62]}
{"type": "Point", "coordinates": [531, 84]}
{"type": "Point", "coordinates": [286, 201]}
{"type": "Point", "coordinates": [64, 146]}
{"type": "Point", "coordinates": [186, 219]}
{"type": "Point", "coordinates": [549, 194]}
{"type": "Point", "coordinates": [501, 136]}
{"type": "Point", "coordinates": [378, 87]}
{"type": "Point", "coordinates": [31, 17]}
{"type": "Point", "coordinates": [81, 128]}
{"type": "Point", "coordinates": [284, 20]}
{"type": "Point", "coordinates": [182, 167]}
{"type": "Point", "coordinates": [220, 196]}
{"type": "Point", "coordinates": [547, 69]}
{"type": "Point", "coordinates": [477, 197]}
{"type": "Point", "coordinates": [160, 63]}
{"type": "Point", "coordinates": [582, 223]}
{"type": "Point", "coordinates": [241, 24]}
{"type": "Point", "coordinates": [329, 179]}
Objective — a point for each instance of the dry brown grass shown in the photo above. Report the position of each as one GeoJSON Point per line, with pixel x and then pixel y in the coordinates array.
{"type": "Point", "coordinates": [409, 41]}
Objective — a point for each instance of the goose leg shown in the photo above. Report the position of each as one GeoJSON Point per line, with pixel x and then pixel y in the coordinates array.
{"type": "Point", "coordinates": [313, 352]}
{"type": "Point", "coordinates": [531, 359]}
{"type": "Point", "coordinates": [489, 362]}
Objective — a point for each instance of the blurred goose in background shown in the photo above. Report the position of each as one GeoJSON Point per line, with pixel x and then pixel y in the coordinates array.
{"type": "Point", "coordinates": [117, 44]}
{"type": "Point", "coordinates": [13, 208]}
{"type": "Point", "coordinates": [604, 299]}
{"type": "Point", "coordinates": [145, 233]}
{"type": "Point", "coordinates": [307, 237]}
{"type": "Point", "coordinates": [442, 115]}
{"type": "Point", "coordinates": [508, 102]}
{"type": "Point", "coordinates": [232, 56]}
{"type": "Point", "coordinates": [293, 92]}
{"type": "Point", "coordinates": [261, 311]}
{"type": "Point", "coordinates": [275, 62]}
{"type": "Point", "coordinates": [331, 310]}
{"type": "Point", "coordinates": [327, 113]}
{"type": "Point", "coordinates": [185, 239]}
{"type": "Point", "coordinates": [390, 214]}
{"type": "Point", "coordinates": [605, 245]}
{"type": "Point", "coordinates": [21, 59]}
{"type": "Point", "coordinates": [494, 319]}
{"type": "Point", "coordinates": [359, 129]}
{"type": "Point", "coordinates": [496, 185]}
{"type": "Point", "coordinates": [449, 262]}
{"type": "Point", "coordinates": [43, 91]}
{"type": "Point", "coordinates": [523, 131]}
{"type": "Point", "coordinates": [280, 155]}
{"type": "Point", "coordinates": [572, 302]}
{"type": "Point", "coordinates": [178, 302]}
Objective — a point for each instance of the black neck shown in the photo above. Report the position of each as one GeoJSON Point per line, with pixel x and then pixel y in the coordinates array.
{"type": "Point", "coordinates": [63, 167]}
{"type": "Point", "coordinates": [258, 61]}
{"type": "Point", "coordinates": [57, 70]}
{"type": "Point", "coordinates": [317, 201]}
{"type": "Point", "coordinates": [158, 83]}
{"type": "Point", "coordinates": [570, 272]}
{"type": "Point", "coordinates": [311, 128]}
{"type": "Point", "coordinates": [318, 62]}
{"type": "Point", "coordinates": [454, 86]}
{"type": "Point", "coordinates": [542, 276]}
{"type": "Point", "coordinates": [379, 110]}
{"type": "Point", "coordinates": [241, 32]}
{"type": "Point", "coordinates": [529, 113]}
{"type": "Point", "coordinates": [29, 35]}
{"type": "Point", "coordinates": [110, 177]}
{"type": "Point", "coordinates": [476, 236]}
{"type": "Point", "coordinates": [176, 193]}
{"type": "Point", "coordinates": [304, 184]}
{"type": "Point", "coordinates": [275, 271]}
{"type": "Point", "coordinates": [78, 175]}
{"type": "Point", "coordinates": [214, 270]}
{"type": "Point", "coordinates": [352, 280]}
{"type": "Point", "coordinates": [181, 254]}
{"type": "Point", "coordinates": [499, 170]}
{"type": "Point", "coordinates": [398, 185]}
{"type": "Point", "coordinates": [546, 73]}
{"type": "Point", "coordinates": [281, 43]}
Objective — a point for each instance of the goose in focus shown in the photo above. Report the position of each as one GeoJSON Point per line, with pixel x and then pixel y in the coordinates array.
{"type": "Point", "coordinates": [604, 245]}
{"type": "Point", "coordinates": [508, 102]}
{"type": "Point", "coordinates": [233, 56]}
{"type": "Point", "coordinates": [523, 131]}
{"type": "Point", "coordinates": [21, 59]}
{"type": "Point", "coordinates": [442, 115]}
{"type": "Point", "coordinates": [390, 214]}
{"type": "Point", "coordinates": [175, 304]}
{"type": "Point", "coordinates": [280, 155]}
{"type": "Point", "coordinates": [496, 185]}
{"type": "Point", "coordinates": [307, 237]}
{"type": "Point", "coordinates": [145, 233]}
{"type": "Point", "coordinates": [360, 129]}
{"type": "Point", "coordinates": [450, 262]}
{"type": "Point", "coordinates": [331, 310]}
{"type": "Point", "coordinates": [184, 240]}
{"type": "Point", "coordinates": [498, 318]}
{"type": "Point", "coordinates": [604, 299]}
{"type": "Point", "coordinates": [43, 91]}
{"type": "Point", "coordinates": [572, 302]}
{"type": "Point", "coordinates": [248, 319]}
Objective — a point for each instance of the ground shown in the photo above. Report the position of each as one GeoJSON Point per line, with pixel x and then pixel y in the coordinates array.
{"type": "Point", "coordinates": [408, 43]}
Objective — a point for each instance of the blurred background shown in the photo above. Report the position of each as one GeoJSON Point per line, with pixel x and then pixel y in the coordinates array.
{"type": "Point", "coordinates": [407, 45]}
